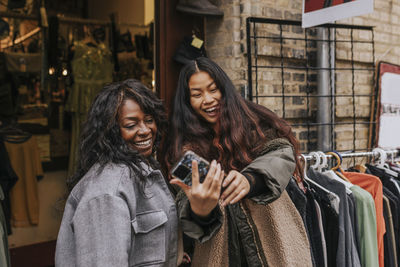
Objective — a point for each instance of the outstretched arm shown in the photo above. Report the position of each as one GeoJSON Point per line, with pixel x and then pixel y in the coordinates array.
{"type": "Point", "coordinates": [265, 178]}
{"type": "Point", "coordinates": [275, 167]}
{"type": "Point", "coordinates": [198, 212]}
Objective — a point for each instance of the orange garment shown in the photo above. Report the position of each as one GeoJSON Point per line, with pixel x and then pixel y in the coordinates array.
{"type": "Point", "coordinates": [25, 160]}
{"type": "Point", "coordinates": [373, 185]}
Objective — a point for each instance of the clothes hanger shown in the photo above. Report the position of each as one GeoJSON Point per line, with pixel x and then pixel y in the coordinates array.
{"type": "Point", "coordinates": [317, 160]}
{"type": "Point", "coordinates": [338, 169]}
{"type": "Point", "coordinates": [323, 161]}
{"type": "Point", "coordinates": [393, 164]}
{"type": "Point", "coordinates": [304, 166]}
{"type": "Point", "coordinates": [308, 179]}
{"type": "Point", "coordinates": [338, 158]}
{"type": "Point", "coordinates": [337, 175]}
{"type": "Point", "coordinates": [382, 162]}
{"type": "Point", "coordinates": [361, 166]}
{"type": "Point", "coordinates": [300, 181]}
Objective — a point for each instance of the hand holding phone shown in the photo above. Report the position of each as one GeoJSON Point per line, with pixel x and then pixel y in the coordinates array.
{"type": "Point", "coordinates": [182, 170]}
{"type": "Point", "coordinates": [203, 197]}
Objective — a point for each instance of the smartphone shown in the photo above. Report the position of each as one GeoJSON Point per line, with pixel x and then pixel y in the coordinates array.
{"type": "Point", "coordinates": [182, 170]}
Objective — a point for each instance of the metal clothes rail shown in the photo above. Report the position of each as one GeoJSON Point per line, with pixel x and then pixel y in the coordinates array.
{"type": "Point", "coordinates": [374, 154]}
{"type": "Point", "coordinates": [7, 14]}
{"type": "Point", "coordinates": [69, 20]}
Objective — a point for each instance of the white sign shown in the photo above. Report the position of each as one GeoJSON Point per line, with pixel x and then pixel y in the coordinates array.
{"type": "Point", "coordinates": [317, 12]}
{"type": "Point", "coordinates": [389, 121]}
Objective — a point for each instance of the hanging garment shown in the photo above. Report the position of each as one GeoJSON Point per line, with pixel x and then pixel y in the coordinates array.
{"type": "Point", "coordinates": [4, 254]}
{"type": "Point", "coordinates": [394, 167]}
{"type": "Point", "coordinates": [389, 238]}
{"type": "Point", "coordinates": [322, 230]}
{"type": "Point", "coordinates": [23, 62]}
{"type": "Point", "coordinates": [53, 53]}
{"type": "Point", "coordinates": [394, 203]}
{"type": "Point", "coordinates": [92, 69]}
{"type": "Point", "coordinates": [8, 92]}
{"type": "Point", "coordinates": [300, 201]}
{"type": "Point", "coordinates": [367, 232]}
{"type": "Point", "coordinates": [390, 190]}
{"type": "Point", "coordinates": [25, 160]}
{"type": "Point", "coordinates": [354, 221]}
{"type": "Point", "coordinates": [314, 229]}
{"type": "Point", "coordinates": [347, 253]}
{"type": "Point", "coordinates": [329, 203]}
{"type": "Point", "coordinates": [189, 50]}
{"type": "Point", "coordinates": [14, 4]}
{"type": "Point", "coordinates": [307, 207]}
{"type": "Point", "coordinates": [7, 108]}
{"type": "Point", "coordinates": [130, 67]}
{"type": "Point", "coordinates": [374, 187]}
{"type": "Point", "coordinates": [351, 203]}
{"type": "Point", "coordinates": [141, 46]}
{"type": "Point", "coordinates": [125, 42]}
{"type": "Point", "coordinates": [335, 177]}
{"type": "Point", "coordinates": [4, 29]}
{"type": "Point", "coordinates": [8, 178]}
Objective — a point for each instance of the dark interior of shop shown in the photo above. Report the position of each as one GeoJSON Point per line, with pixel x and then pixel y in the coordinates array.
{"type": "Point", "coordinates": [55, 56]}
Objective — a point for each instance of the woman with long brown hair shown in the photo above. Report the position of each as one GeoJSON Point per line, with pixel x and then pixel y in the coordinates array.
{"type": "Point", "coordinates": [257, 150]}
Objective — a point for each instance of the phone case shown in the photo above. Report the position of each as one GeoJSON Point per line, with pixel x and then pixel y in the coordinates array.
{"type": "Point", "coordinates": [183, 169]}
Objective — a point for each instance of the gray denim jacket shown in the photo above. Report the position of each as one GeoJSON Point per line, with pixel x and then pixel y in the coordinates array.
{"type": "Point", "coordinates": [110, 221]}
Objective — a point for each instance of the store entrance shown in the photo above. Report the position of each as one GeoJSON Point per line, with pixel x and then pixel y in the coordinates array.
{"type": "Point", "coordinates": [51, 70]}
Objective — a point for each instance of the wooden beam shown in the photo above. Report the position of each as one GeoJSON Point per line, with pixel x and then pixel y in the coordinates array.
{"type": "Point", "coordinates": [170, 27]}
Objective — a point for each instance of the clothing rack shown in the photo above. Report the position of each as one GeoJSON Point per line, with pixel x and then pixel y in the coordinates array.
{"type": "Point", "coordinates": [7, 14]}
{"type": "Point", "coordinates": [70, 20]}
{"type": "Point", "coordinates": [374, 154]}
{"type": "Point", "coordinates": [365, 197]}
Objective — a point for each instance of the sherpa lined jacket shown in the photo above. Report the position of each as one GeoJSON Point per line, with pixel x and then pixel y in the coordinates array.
{"type": "Point", "coordinates": [266, 230]}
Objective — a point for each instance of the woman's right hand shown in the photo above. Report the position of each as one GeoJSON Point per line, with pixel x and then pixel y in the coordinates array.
{"type": "Point", "coordinates": [203, 197]}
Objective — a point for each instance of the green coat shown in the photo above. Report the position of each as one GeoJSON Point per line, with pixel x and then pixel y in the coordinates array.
{"type": "Point", "coordinates": [246, 221]}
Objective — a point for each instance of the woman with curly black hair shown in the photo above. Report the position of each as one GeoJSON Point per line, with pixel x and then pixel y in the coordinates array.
{"type": "Point", "coordinates": [120, 211]}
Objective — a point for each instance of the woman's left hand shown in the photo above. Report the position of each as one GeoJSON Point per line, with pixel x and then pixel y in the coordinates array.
{"type": "Point", "coordinates": [236, 187]}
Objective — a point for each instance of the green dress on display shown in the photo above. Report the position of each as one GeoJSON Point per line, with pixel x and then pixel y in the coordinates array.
{"type": "Point", "coordinates": [92, 68]}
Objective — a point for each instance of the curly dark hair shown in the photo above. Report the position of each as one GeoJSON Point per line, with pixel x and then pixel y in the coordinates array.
{"type": "Point", "coordinates": [233, 145]}
{"type": "Point", "coordinates": [101, 141]}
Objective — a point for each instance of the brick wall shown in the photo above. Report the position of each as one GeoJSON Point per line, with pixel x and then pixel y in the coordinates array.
{"type": "Point", "coordinates": [226, 44]}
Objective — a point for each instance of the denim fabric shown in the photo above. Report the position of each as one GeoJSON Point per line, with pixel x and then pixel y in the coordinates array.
{"type": "Point", "coordinates": [111, 219]}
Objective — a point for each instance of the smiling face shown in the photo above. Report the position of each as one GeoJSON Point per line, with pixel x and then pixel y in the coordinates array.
{"type": "Point", "coordinates": [137, 128]}
{"type": "Point", "coordinates": [205, 97]}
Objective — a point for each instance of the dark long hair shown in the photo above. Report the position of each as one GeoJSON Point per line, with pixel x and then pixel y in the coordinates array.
{"type": "Point", "coordinates": [101, 141]}
{"type": "Point", "coordinates": [241, 125]}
